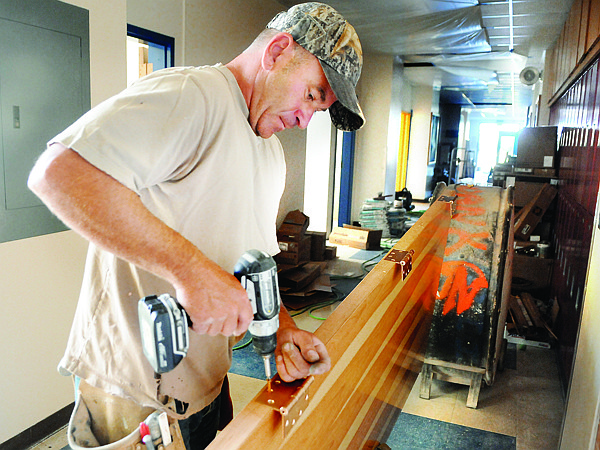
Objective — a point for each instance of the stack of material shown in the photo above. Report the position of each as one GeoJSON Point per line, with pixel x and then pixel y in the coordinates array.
{"type": "Point", "coordinates": [525, 322]}
{"type": "Point", "coordinates": [293, 242]}
{"type": "Point", "coordinates": [396, 217]}
{"type": "Point", "coordinates": [301, 262]}
{"type": "Point", "coordinates": [373, 215]}
{"type": "Point", "coordinates": [305, 285]}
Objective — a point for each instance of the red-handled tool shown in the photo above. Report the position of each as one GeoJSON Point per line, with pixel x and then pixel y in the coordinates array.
{"type": "Point", "coordinates": [146, 437]}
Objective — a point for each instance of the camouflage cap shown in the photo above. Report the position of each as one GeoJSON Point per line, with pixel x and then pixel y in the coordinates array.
{"type": "Point", "coordinates": [322, 31]}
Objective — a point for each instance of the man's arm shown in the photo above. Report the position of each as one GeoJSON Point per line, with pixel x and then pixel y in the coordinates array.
{"type": "Point", "coordinates": [113, 217]}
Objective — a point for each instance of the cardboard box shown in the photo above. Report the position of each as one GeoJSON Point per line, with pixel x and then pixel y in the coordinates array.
{"type": "Point", "coordinates": [527, 219]}
{"type": "Point", "coordinates": [294, 226]}
{"type": "Point", "coordinates": [537, 147]}
{"type": "Point", "coordinates": [330, 252]}
{"type": "Point", "coordinates": [525, 192]}
{"type": "Point", "coordinates": [294, 252]}
{"type": "Point", "coordinates": [531, 272]}
{"type": "Point", "coordinates": [318, 241]}
{"type": "Point", "coordinates": [356, 237]}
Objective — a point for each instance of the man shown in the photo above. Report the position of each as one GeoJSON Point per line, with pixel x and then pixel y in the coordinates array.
{"type": "Point", "coordinates": [171, 181]}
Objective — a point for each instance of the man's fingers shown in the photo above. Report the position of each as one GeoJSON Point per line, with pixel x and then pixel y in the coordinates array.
{"type": "Point", "coordinates": [286, 368]}
{"type": "Point", "coordinates": [292, 362]}
{"type": "Point", "coordinates": [292, 365]}
{"type": "Point", "coordinates": [297, 364]}
{"type": "Point", "coordinates": [244, 319]}
{"type": "Point", "coordinates": [319, 368]}
{"type": "Point", "coordinates": [319, 357]}
{"type": "Point", "coordinates": [322, 352]}
{"type": "Point", "coordinates": [227, 326]}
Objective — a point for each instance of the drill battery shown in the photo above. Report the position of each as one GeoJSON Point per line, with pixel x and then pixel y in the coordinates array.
{"type": "Point", "coordinates": [164, 329]}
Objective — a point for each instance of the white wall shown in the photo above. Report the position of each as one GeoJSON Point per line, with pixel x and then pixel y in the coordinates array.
{"type": "Point", "coordinates": [40, 285]}
{"type": "Point", "coordinates": [217, 31]}
{"type": "Point", "coordinates": [294, 144]}
{"type": "Point", "coordinates": [318, 179]}
{"type": "Point", "coordinates": [400, 102]}
{"type": "Point", "coordinates": [41, 276]}
{"type": "Point", "coordinates": [418, 148]}
{"type": "Point", "coordinates": [375, 91]}
{"type": "Point", "coordinates": [161, 16]}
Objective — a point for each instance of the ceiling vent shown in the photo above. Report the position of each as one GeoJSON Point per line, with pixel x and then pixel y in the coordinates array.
{"type": "Point", "coordinates": [529, 76]}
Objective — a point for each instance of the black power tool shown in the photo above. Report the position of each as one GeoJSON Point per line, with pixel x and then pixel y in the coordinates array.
{"type": "Point", "coordinates": [164, 324]}
{"type": "Point", "coordinates": [257, 272]}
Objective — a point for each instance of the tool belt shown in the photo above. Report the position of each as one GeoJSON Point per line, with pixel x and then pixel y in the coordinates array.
{"type": "Point", "coordinates": [106, 422]}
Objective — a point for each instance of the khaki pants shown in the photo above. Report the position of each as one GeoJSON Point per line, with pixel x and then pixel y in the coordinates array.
{"type": "Point", "coordinates": [104, 421]}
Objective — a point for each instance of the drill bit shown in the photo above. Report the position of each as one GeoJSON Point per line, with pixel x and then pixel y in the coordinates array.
{"type": "Point", "coordinates": [267, 361]}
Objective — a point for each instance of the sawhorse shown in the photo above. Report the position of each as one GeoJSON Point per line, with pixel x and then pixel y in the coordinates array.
{"type": "Point", "coordinates": [454, 373]}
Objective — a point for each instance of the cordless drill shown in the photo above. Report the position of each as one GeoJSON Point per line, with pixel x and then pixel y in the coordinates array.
{"type": "Point", "coordinates": [257, 272]}
{"type": "Point", "coordinates": [164, 323]}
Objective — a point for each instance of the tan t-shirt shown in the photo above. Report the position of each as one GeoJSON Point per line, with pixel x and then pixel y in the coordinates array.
{"type": "Point", "coordinates": [180, 139]}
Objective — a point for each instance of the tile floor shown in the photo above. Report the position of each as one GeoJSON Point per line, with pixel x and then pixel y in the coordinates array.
{"type": "Point", "coordinates": [525, 403]}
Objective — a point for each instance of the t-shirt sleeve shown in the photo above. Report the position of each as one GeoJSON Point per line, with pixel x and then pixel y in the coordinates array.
{"type": "Point", "coordinates": [145, 135]}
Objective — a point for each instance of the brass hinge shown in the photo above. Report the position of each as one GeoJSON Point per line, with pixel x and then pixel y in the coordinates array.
{"type": "Point", "coordinates": [402, 257]}
{"type": "Point", "coordinates": [447, 199]}
{"type": "Point", "coordinates": [289, 399]}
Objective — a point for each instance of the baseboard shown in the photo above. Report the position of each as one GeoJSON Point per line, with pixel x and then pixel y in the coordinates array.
{"type": "Point", "coordinates": [40, 430]}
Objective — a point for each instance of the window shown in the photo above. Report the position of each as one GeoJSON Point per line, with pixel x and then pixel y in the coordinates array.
{"type": "Point", "coordinates": [147, 52]}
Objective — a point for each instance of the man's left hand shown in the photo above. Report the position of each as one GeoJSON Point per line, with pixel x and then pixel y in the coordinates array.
{"type": "Point", "coordinates": [299, 354]}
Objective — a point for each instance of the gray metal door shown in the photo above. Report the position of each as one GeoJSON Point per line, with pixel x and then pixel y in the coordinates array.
{"type": "Point", "coordinates": [44, 87]}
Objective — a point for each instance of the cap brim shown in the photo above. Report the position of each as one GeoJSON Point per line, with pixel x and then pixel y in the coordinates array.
{"type": "Point", "coordinates": [345, 113]}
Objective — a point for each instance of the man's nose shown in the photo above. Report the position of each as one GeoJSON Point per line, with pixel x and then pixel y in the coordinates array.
{"type": "Point", "coordinates": [303, 117]}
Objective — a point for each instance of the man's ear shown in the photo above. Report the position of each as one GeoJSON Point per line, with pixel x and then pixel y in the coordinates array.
{"type": "Point", "coordinates": [279, 48]}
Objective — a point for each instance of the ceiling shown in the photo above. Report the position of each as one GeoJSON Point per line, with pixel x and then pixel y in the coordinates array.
{"type": "Point", "coordinates": [472, 51]}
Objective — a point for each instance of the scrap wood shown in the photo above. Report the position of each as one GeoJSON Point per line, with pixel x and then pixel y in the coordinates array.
{"type": "Point", "coordinates": [321, 284]}
{"type": "Point", "coordinates": [513, 322]}
{"type": "Point", "coordinates": [532, 309]}
{"type": "Point", "coordinates": [297, 303]}
{"type": "Point", "coordinates": [517, 313]}
{"type": "Point", "coordinates": [525, 312]}
{"type": "Point", "coordinates": [519, 214]}
{"type": "Point", "coordinates": [529, 302]}
{"type": "Point", "coordinates": [319, 290]}
{"type": "Point", "coordinates": [300, 277]}
{"type": "Point", "coordinates": [526, 317]}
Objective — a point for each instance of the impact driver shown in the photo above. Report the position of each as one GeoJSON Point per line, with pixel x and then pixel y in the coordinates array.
{"type": "Point", "coordinates": [164, 324]}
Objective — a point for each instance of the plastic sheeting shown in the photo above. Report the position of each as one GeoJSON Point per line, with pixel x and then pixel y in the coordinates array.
{"type": "Point", "coordinates": [489, 77]}
{"type": "Point", "coordinates": [414, 27]}
{"type": "Point", "coordinates": [444, 32]}
{"type": "Point", "coordinates": [497, 61]}
{"type": "Point", "coordinates": [482, 66]}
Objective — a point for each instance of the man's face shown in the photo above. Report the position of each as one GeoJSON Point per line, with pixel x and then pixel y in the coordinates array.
{"type": "Point", "coordinates": [290, 95]}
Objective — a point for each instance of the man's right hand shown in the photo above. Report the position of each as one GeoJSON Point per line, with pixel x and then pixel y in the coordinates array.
{"type": "Point", "coordinates": [215, 301]}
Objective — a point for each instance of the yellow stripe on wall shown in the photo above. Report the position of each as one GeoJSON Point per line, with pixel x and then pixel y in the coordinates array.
{"type": "Point", "coordinates": [403, 151]}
